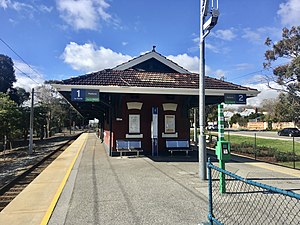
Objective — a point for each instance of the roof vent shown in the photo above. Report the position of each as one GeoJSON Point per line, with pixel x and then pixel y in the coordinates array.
{"type": "Point", "coordinates": [153, 49]}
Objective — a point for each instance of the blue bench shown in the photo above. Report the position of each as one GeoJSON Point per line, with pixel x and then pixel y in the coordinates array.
{"type": "Point", "coordinates": [129, 146]}
{"type": "Point", "coordinates": [173, 145]}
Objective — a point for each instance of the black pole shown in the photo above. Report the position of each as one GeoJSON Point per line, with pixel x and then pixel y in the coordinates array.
{"type": "Point", "coordinates": [110, 128]}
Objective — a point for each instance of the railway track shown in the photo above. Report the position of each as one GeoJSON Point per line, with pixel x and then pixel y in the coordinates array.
{"type": "Point", "coordinates": [9, 191]}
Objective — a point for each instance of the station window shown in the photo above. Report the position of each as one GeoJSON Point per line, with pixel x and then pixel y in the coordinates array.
{"type": "Point", "coordinates": [134, 123]}
{"type": "Point", "coordinates": [169, 124]}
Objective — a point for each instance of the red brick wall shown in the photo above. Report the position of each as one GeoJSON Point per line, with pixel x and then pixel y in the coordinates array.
{"type": "Point", "coordinates": [120, 128]}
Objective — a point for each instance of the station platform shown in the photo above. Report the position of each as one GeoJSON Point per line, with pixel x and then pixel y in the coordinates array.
{"type": "Point", "coordinates": [86, 186]}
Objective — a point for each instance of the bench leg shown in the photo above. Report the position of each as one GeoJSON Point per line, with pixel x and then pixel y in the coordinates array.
{"type": "Point", "coordinates": [138, 154]}
{"type": "Point", "coordinates": [121, 154]}
{"type": "Point", "coordinates": [171, 153]}
{"type": "Point", "coordinates": [187, 153]}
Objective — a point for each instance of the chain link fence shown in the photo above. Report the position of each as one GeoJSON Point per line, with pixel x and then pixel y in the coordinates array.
{"type": "Point", "coordinates": [285, 152]}
{"type": "Point", "coordinates": [249, 202]}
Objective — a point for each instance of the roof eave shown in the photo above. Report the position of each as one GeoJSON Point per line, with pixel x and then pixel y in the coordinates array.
{"type": "Point", "coordinates": [155, 90]}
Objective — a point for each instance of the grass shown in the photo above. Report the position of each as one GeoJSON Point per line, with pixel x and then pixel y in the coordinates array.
{"type": "Point", "coordinates": [281, 145]}
{"type": "Point", "coordinates": [281, 150]}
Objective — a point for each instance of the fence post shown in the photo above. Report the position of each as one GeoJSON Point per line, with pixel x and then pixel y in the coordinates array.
{"type": "Point", "coordinates": [294, 155]}
{"type": "Point", "coordinates": [228, 135]}
{"type": "Point", "coordinates": [210, 208]}
{"type": "Point", "coordinates": [254, 145]}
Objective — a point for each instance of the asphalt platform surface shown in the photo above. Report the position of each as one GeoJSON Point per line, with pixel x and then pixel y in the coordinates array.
{"type": "Point", "coordinates": [130, 190]}
{"type": "Point", "coordinates": [142, 190]}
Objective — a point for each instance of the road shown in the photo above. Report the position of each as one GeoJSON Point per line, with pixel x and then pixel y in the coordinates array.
{"type": "Point", "coordinates": [261, 134]}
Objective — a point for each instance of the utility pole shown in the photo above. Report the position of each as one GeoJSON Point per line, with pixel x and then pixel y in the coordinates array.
{"type": "Point", "coordinates": [31, 123]}
{"type": "Point", "coordinates": [205, 27]}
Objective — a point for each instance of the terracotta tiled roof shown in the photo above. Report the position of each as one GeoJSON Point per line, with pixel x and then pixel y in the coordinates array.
{"type": "Point", "coordinates": [135, 78]}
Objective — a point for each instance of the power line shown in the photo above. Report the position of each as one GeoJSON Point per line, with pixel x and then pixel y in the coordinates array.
{"type": "Point", "coordinates": [7, 45]}
{"type": "Point", "coordinates": [26, 75]}
{"type": "Point", "coordinates": [258, 71]}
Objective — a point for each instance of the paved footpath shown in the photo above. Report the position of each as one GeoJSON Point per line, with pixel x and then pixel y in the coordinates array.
{"type": "Point", "coordinates": [113, 190]}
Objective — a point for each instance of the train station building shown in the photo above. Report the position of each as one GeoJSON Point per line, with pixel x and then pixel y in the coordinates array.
{"type": "Point", "coordinates": [146, 99]}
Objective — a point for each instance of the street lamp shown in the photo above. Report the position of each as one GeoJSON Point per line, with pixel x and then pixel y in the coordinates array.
{"type": "Point", "coordinates": [206, 24]}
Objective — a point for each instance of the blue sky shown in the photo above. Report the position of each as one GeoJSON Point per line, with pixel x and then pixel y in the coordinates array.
{"type": "Point", "coordinates": [65, 38]}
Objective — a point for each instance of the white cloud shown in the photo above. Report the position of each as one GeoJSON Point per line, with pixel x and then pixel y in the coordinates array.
{"type": "Point", "coordinates": [243, 66]}
{"type": "Point", "coordinates": [251, 35]}
{"type": "Point", "coordinates": [226, 35]}
{"type": "Point", "coordinates": [191, 63]}
{"type": "Point", "coordinates": [211, 47]}
{"type": "Point", "coordinates": [44, 8]}
{"type": "Point", "coordinates": [15, 5]}
{"type": "Point", "coordinates": [260, 83]}
{"type": "Point", "coordinates": [258, 36]}
{"type": "Point", "coordinates": [124, 43]}
{"type": "Point", "coordinates": [21, 6]}
{"type": "Point", "coordinates": [290, 12]}
{"type": "Point", "coordinates": [215, 48]}
{"type": "Point", "coordinates": [219, 74]}
{"type": "Point", "coordinates": [4, 3]}
{"type": "Point", "coordinates": [23, 80]}
{"type": "Point", "coordinates": [83, 14]}
{"type": "Point", "coordinates": [89, 57]}
{"type": "Point", "coordinates": [266, 93]}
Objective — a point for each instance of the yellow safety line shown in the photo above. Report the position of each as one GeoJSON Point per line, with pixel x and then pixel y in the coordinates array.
{"type": "Point", "coordinates": [279, 169]}
{"type": "Point", "coordinates": [60, 188]}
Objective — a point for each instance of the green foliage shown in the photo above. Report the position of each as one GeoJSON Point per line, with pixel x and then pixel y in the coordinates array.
{"type": "Point", "coordinates": [19, 95]}
{"type": "Point", "coordinates": [287, 75]}
{"type": "Point", "coordinates": [9, 117]}
{"type": "Point", "coordinates": [7, 73]}
{"type": "Point", "coordinates": [211, 112]}
{"type": "Point", "coordinates": [237, 118]}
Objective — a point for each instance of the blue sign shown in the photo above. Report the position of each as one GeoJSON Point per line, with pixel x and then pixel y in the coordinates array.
{"type": "Point", "coordinates": [78, 95]}
{"type": "Point", "coordinates": [84, 95]}
{"type": "Point", "coordinates": [235, 99]}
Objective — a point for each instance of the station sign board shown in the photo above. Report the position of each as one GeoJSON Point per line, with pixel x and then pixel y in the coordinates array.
{"type": "Point", "coordinates": [235, 99]}
{"type": "Point", "coordinates": [84, 95]}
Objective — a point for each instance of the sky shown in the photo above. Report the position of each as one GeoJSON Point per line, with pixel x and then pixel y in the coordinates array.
{"type": "Point", "coordinates": [59, 39]}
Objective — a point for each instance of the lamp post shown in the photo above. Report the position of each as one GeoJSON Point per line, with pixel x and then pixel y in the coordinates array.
{"type": "Point", "coordinates": [205, 26]}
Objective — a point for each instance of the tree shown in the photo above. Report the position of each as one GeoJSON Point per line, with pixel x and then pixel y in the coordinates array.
{"type": "Point", "coordinates": [288, 74]}
{"type": "Point", "coordinates": [268, 105]}
{"type": "Point", "coordinates": [7, 73]}
{"type": "Point", "coordinates": [55, 109]}
{"type": "Point", "coordinates": [211, 112]}
{"type": "Point", "coordinates": [287, 109]}
{"type": "Point", "coordinates": [18, 95]}
{"type": "Point", "coordinates": [235, 118]}
{"type": "Point", "coordinates": [9, 117]}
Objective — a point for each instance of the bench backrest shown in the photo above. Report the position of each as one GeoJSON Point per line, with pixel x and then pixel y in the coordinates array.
{"type": "Point", "coordinates": [177, 144]}
{"type": "Point", "coordinates": [128, 144]}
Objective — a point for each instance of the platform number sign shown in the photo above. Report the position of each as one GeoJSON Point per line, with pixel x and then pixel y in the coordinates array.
{"type": "Point", "coordinates": [84, 95]}
{"type": "Point", "coordinates": [235, 99]}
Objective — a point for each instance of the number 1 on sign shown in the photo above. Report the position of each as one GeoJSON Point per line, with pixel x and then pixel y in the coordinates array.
{"type": "Point", "coordinates": [78, 93]}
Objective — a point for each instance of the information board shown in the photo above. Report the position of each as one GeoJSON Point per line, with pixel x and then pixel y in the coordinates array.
{"type": "Point", "coordinates": [84, 95]}
{"type": "Point", "coordinates": [235, 99]}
